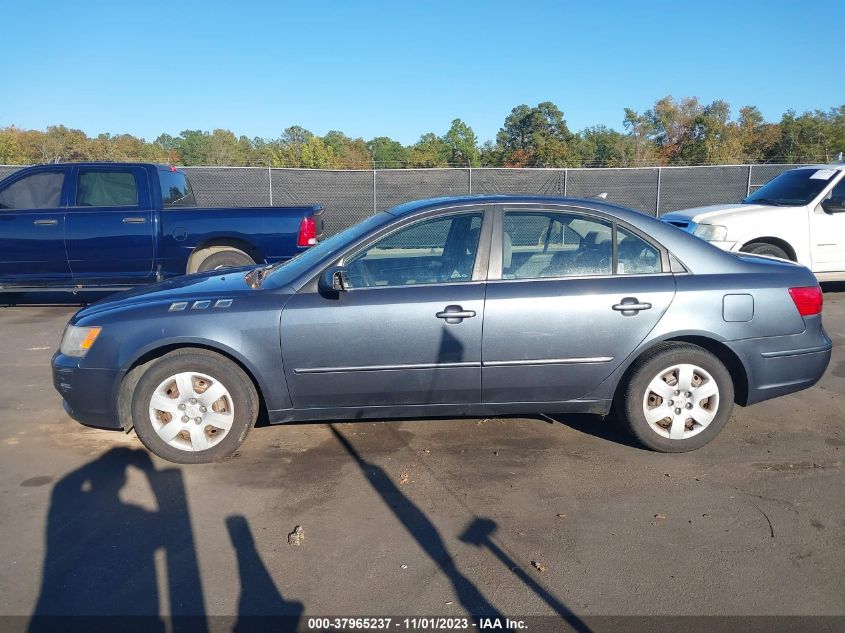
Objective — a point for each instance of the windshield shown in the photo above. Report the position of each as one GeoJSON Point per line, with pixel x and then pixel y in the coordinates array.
{"type": "Point", "coordinates": [286, 272]}
{"type": "Point", "coordinates": [792, 188]}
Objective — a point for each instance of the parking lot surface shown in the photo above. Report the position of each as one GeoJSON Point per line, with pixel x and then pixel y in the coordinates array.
{"type": "Point", "coordinates": [517, 516]}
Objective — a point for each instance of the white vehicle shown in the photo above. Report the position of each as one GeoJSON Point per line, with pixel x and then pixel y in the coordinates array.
{"type": "Point", "coordinates": [799, 215]}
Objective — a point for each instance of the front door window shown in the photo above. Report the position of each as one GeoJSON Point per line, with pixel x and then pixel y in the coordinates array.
{"type": "Point", "coordinates": [437, 251]}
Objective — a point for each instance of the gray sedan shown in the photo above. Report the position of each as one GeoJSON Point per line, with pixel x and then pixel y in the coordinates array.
{"type": "Point", "coordinates": [454, 307]}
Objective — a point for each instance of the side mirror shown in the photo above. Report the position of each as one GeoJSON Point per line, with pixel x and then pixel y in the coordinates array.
{"type": "Point", "coordinates": [334, 279]}
{"type": "Point", "coordinates": [834, 205]}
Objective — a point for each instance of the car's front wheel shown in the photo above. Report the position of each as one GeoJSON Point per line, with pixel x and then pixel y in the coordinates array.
{"type": "Point", "coordinates": [678, 398]}
{"type": "Point", "coordinates": [193, 406]}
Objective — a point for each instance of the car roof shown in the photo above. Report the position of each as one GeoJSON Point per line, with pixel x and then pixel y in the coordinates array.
{"type": "Point", "coordinates": [414, 206]}
{"type": "Point", "coordinates": [837, 166]}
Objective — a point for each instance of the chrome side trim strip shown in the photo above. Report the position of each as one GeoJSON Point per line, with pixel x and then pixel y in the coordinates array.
{"type": "Point", "coordinates": [329, 370]}
{"type": "Point", "coordinates": [796, 352]}
{"type": "Point", "coordinates": [489, 363]}
{"type": "Point", "coordinates": [548, 361]}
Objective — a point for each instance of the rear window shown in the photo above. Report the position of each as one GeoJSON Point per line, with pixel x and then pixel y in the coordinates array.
{"type": "Point", "coordinates": [38, 191]}
{"type": "Point", "coordinates": [106, 189]}
{"type": "Point", "coordinates": [175, 189]}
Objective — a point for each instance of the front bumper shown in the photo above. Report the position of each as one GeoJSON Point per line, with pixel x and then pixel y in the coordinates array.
{"type": "Point", "coordinates": [88, 393]}
{"type": "Point", "coordinates": [778, 365]}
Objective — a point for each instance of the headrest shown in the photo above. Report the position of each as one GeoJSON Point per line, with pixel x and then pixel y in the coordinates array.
{"type": "Point", "coordinates": [594, 239]}
{"type": "Point", "coordinates": [507, 251]}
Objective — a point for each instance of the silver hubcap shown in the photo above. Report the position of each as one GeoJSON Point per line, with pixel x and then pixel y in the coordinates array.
{"type": "Point", "coordinates": [681, 401]}
{"type": "Point", "coordinates": [191, 411]}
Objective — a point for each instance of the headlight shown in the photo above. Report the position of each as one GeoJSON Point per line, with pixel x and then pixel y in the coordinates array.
{"type": "Point", "coordinates": [711, 232]}
{"type": "Point", "coordinates": [78, 340]}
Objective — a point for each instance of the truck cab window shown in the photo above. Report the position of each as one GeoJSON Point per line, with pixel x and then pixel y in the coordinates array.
{"type": "Point", "coordinates": [99, 188]}
{"type": "Point", "coordinates": [175, 189]}
{"type": "Point", "coordinates": [38, 191]}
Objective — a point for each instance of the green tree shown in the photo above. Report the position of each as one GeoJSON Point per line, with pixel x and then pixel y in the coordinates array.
{"type": "Point", "coordinates": [601, 146]}
{"type": "Point", "coordinates": [192, 146]}
{"type": "Point", "coordinates": [222, 148]}
{"type": "Point", "coordinates": [387, 153]}
{"type": "Point", "coordinates": [463, 144]}
{"type": "Point", "coordinates": [640, 129]}
{"type": "Point", "coordinates": [11, 152]}
{"type": "Point", "coordinates": [536, 136]}
{"type": "Point", "coordinates": [430, 151]}
{"type": "Point", "coordinates": [349, 153]}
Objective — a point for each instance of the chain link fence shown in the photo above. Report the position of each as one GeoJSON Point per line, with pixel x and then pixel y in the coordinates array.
{"type": "Point", "coordinates": [351, 195]}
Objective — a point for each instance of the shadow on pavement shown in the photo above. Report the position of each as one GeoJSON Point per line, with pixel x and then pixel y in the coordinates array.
{"type": "Point", "coordinates": [480, 533]}
{"type": "Point", "coordinates": [260, 604]}
{"type": "Point", "coordinates": [422, 529]}
{"type": "Point", "coordinates": [102, 552]}
{"type": "Point", "coordinates": [609, 428]}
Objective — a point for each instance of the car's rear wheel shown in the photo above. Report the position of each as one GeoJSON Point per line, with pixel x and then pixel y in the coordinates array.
{"type": "Point", "coordinates": [230, 258]}
{"type": "Point", "coordinates": [764, 248]}
{"type": "Point", "coordinates": [678, 398]}
{"type": "Point", "coordinates": [193, 406]}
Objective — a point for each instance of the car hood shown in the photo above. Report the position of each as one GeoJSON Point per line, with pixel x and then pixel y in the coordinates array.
{"type": "Point", "coordinates": [228, 284]}
{"type": "Point", "coordinates": [715, 213]}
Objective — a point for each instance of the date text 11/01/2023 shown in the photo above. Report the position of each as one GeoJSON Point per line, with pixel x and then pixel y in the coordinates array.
{"type": "Point", "coordinates": [415, 624]}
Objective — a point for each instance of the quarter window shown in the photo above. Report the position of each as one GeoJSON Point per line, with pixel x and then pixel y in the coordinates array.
{"type": "Point", "coordinates": [38, 191]}
{"type": "Point", "coordinates": [99, 188]}
{"type": "Point", "coordinates": [436, 251]}
{"type": "Point", "coordinates": [635, 256]}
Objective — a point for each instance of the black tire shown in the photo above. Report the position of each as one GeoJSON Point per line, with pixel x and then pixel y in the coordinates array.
{"type": "Point", "coordinates": [764, 248]}
{"type": "Point", "coordinates": [240, 387]}
{"type": "Point", "coordinates": [230, 258]}
{"type": "Point", "coordinates": [647, 367]}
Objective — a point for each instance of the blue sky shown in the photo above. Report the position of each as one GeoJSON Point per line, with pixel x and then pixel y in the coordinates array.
{"type": "Point", "coordinates": [401, 68]}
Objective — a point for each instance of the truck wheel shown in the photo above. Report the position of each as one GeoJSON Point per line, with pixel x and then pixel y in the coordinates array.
{"type": "Point", "coordinates": [678, 398]}
{"type": "Point", "coordinates": [193, 406]}
{"type": "Point", "coordinates": [764, 248]}
{"type": "Point", "coordinates": [230, 258]}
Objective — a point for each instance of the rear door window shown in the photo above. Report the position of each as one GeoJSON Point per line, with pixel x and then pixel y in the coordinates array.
{"type": "Point", "coordinates": [38, 191]}
{"type": "Point", "coordinates": [101, 188]}
{"type": "Point", "coordinates": [541, 244]}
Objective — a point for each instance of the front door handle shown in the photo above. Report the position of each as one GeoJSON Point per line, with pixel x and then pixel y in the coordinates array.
{"type": "Point", "coordinates": [455, 314]}
{"type": "Point", "coordinates": [134, 220]}
{"type": "Point", "coordinates": [630, 306]}
{"type": "Point", "coordinates": [50, 222]}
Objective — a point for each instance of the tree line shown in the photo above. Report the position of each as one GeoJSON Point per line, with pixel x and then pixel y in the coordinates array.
{"type": "Point", "coordinates": [671, 132]}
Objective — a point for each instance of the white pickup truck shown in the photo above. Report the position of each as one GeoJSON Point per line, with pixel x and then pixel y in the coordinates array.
{"type": "Point", "coordinates": [799, 215]}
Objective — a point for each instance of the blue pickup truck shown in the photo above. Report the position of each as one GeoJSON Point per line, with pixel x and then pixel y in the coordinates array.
{"type": "Point", "coordinates": [114, 225]}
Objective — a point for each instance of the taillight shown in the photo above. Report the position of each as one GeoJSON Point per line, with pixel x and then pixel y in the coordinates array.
{"type": "Point", "coordinates": [808, 300]}
{"type": "Point", "coordinates": [307, 232]}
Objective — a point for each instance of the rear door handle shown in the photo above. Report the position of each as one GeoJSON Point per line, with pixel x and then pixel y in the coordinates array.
{"type": "Point", "coordinates": [455, 314]}
{"type": "Point", "coordinates": [134, 220]}
{"type": "Point", "coordinates": [630, 306]}
{"type": "Point", "coordinates": [50, 222]}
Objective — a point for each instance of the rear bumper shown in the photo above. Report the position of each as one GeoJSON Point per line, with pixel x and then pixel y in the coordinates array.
{"type": "Point", "coordinates": [780, 365]}
{"type": "Point", "coordinates": [87, 393]}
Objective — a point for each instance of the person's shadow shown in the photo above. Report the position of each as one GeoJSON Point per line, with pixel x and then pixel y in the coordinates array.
{"type": "Point", "coordinates": [260, 605]}
{"type": "Point", "coordinates": [102, 553]}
